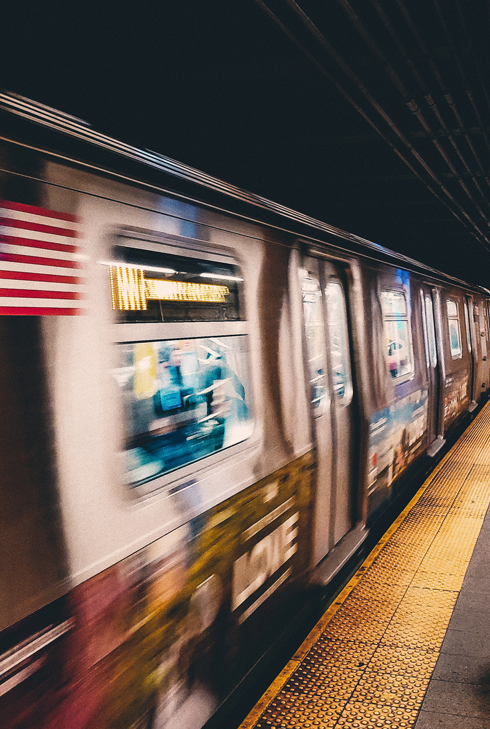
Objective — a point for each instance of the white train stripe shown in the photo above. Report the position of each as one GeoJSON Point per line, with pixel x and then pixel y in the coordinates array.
{"type": "Point", "coordinates": [41, 268]}
{"type": "Point", "coordinates": [15, 283]}
{"type": "Point", "coordinates": [38, 235]}
{"type": "Point", "coordinates": [40, 253]}
{"type": "Point", "coordinates": [40, 219]}
{"type": "Point", "coordinates": [14, 301]}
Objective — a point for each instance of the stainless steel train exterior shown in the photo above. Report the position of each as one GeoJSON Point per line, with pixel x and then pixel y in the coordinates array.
{"type": "Point", "coordinates": [206, 399]}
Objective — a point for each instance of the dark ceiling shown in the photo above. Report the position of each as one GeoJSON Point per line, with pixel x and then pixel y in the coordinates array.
{"type": "Point", "coordinates": [372, 115]}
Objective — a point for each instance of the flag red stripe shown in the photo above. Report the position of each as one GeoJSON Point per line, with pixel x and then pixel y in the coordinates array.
{"type": "Point", "coordinates": [37, 294]}
{"type": "Point", "coordinates": [39, 311]}
{"type": "Point", "coordinates": [37, 211]}
{"type": "Point", "coordinates": [52, 277]}
{"type": "Point", "coordinates": [11, 240]}
{"type": "Point", "coordinates": [38, 227]}
{"type": "Point", "coordinates": [14, 258]}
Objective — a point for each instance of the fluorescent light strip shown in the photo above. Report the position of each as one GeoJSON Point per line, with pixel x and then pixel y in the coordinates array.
{"type": "Point", "coordinates": [220, 276]}
{"type": "Point", "coordinates": [122, 264]}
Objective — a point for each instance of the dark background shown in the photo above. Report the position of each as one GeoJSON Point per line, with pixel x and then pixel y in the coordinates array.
{"type": "Point", "coordinates": [255, 94]}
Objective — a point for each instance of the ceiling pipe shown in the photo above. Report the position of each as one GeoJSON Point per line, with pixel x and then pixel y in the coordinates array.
{"type": "Point", "coordinates": [464, 78]}
{"type": "Point", "coordinates": [478, 69]}
{"type": "Point", "coordinates": [426, 93]}
{"type": "Point", "coordinates": [409, 101]}
{"type": "Point", "coordinates": [445, 91]}
{"type": "Point", "coordinates": [368, 96]}
{"type": "Point", "coordinates": [447, 200]}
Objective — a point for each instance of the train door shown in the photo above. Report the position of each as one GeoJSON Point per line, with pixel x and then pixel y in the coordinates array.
{"type": "Point", "coordinates": [484, 344]}
{"type": "Point", "coordinates": [434, 423]}
{"type": "Point", "coordinates": [470, 343]}
{"type": "Point", "coordinates": [331, 394]}
{"type": "Point", "coordinates": [480, 349]}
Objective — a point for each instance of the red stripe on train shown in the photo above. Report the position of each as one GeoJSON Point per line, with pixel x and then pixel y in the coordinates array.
{"type": "Point", "coordinates": [52, 277]}
{"type": "Point", "coordinates": [12, 241]}
{"type": "Point", "coordinates": [37, 211]}
{"type": "Point", "coordinates": [17, 258]}
{"type": "Point", "coordinates": [38, 227]}
{"type": "Point", "coordinates": [41, 294]}
{"type": "Point", "coordinates": [38, 311]}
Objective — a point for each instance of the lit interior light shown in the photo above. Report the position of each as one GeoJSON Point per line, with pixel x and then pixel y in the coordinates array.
{"type": "Point", "coordinates": [219, 342]}
{"type": "Point", "coordinates": [158, 269]}
{"type": "Point", "coordinates": [221, 276]}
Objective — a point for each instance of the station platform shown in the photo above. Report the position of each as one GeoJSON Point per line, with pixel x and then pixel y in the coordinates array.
{"type": "Point", "coordinates": [407, 641]}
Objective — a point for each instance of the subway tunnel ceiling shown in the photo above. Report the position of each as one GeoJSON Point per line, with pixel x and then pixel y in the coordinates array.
{"type": "Point", "coordinates": [372, 115]}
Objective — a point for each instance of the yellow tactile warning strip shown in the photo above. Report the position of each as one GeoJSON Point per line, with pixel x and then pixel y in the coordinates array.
{"type": "Point", "coordinates": [368, 661]}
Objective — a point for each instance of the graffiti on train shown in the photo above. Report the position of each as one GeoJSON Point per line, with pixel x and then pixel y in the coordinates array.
{"type": "Point", "coordinates": [395, 439]}
{"type": "Point", "coordinates": [253, 568]}
{"type": "Point", "coordinates": [141, 650]}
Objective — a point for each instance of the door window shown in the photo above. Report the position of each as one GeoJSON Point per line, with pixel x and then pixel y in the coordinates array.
{"type": "Point", "coordinates": [339, 342]}
{"type": "Point", "coordinates": [483, 332]}
{"type": "Point", "coordinates": [431, 334]}
{"type": "Point", "coordinates": [454, 329]}
{"type": "Point", "coordinates": [315, 341]}
{"type": "Point", "coordinates": [467, 326]}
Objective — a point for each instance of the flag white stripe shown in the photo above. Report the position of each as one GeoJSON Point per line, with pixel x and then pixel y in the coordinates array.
{"type": "Point", "coordinates": [40, 268]}
{"type": "Point", "coordinates": [36, 303]}
{"type": "Point", "coordinates": [14, 283]}
{"type": "Point", "coordinates": [40, 252]}
{"type": "Point", "coordinates": [37, 235]}
{"type": "Point", "coordinates": [40, 219]}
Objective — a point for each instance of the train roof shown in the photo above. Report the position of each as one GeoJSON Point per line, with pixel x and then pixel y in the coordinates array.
{"type": "Point", "coordinates": [75, 141]}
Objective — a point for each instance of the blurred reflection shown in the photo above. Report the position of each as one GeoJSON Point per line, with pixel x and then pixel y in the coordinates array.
{"type": "Point", "coordinates": [183, 400]}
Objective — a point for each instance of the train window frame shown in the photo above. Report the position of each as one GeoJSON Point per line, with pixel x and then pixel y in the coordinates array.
{"type": "Point", "coordinates": [389, 319]}
{"type": "Point", "coordinates": [454, 328]}
{"type": "Point", "coordinates": [166, 334]}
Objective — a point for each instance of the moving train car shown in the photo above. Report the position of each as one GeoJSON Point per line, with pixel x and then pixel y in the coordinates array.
{"type": "Point", "coordinates": [206, 401]}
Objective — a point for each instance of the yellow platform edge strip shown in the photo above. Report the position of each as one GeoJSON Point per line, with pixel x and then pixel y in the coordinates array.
{"type": "Point", "coordinates": [270, 694]}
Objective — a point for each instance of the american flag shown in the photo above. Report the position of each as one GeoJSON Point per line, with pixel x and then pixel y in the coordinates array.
{"type": "Point", "coordinates": [40, 265]}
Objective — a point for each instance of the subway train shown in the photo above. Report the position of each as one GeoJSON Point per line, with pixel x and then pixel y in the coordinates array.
{"type": "Point", "coordinates": [207, 400]}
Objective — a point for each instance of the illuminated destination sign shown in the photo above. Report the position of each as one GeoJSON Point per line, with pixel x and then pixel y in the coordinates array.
{"type": "Point", "coordinates": [131, 290]}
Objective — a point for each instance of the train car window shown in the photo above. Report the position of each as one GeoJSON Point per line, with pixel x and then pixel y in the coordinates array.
{"type": "Point", "coordinates": [396, 322]}
{"type": "Point", "coordinates": [183, 400]}
{"type": "Point", "coordinates": [314, 335]}
{"type": "Point", "coordinates": [149, 286]}
{"type": "Point", "coordinates": [454, 329]}
{"type": "Point", "coordinates": [182, 356]}
{"type": "Point", "coordinates": [339, 341]}
{"type": "Point", "coordinates": [431, 333]}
